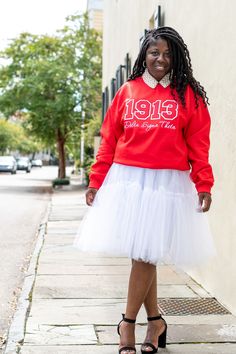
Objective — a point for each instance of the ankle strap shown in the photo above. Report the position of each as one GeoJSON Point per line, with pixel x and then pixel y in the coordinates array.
{"type": "Point", "coordinates": [125, 319]}
{"type": "Point", "coordinates": [154, 318]}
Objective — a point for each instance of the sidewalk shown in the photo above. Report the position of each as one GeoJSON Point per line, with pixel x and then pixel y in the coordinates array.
{"type": "Point", "coordinates": [78, 298]}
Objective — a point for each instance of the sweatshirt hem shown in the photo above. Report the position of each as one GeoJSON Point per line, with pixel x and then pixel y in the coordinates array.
{"type": "Point", "coordinates": [151, 166]}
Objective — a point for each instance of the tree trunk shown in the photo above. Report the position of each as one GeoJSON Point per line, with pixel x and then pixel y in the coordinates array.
{"type": "Point", "coordinates": [61, 154]}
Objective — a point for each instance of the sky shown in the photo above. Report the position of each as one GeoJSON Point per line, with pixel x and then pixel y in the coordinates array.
{"type": "Point", "coordinates": [35, 16]}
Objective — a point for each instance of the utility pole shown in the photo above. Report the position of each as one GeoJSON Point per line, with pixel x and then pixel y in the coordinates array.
{"type": "Point", "coordinates": [82, 174]}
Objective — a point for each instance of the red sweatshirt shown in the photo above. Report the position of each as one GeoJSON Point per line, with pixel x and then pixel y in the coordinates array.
{"type": "Point", "coordinates": [146, 127]}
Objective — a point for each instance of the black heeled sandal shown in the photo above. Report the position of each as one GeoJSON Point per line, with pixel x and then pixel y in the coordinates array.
{"type": "Point", "coordinates": [161, 338]}
{"type": "Point", "coordinates": [118, 331]}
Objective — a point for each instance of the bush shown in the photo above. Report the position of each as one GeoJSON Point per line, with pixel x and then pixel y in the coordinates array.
{"type": "Point", "coordinates": [60, 182]}
{"type": "Point", "coordinates": [87, 167]}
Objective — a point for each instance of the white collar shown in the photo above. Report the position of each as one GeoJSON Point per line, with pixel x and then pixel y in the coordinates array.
{"type": "Point", "coordinates": [152, 82]}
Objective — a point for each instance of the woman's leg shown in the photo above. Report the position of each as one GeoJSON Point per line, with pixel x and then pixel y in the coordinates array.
{"type": "Point", "coordinates": [141, 278]}
{"type": "Point", "coordinates": [150, 301]}
{"type": "Point", "coordinates": [154, 328]}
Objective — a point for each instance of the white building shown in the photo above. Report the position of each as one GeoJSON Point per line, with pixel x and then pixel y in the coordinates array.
{"type": "Point", "coordinates": [95, 10]}
{"type": "Point", "coordinates": [208, 28]}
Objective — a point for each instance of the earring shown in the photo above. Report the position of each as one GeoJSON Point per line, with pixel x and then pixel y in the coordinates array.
{"type": "Point", "coordinates": [144, 64]}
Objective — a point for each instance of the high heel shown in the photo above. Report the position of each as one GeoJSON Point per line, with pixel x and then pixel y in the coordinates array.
{"type": "Point", "coordinates": [161, 338]}
{"type": "Point", "coordinates": [118, 331]}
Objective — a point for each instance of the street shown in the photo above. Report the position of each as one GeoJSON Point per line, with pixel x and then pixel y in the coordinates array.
{"type": "Point", "coordinates": [24, 198]}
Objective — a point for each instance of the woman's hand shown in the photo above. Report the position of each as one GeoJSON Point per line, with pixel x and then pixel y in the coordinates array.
{"type": "Point", "coordinates": [90, 195]}
{"type": "Point", "coordinates": [204, 201]}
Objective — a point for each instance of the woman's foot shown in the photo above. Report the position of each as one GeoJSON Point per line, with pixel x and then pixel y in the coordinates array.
{"type": "Point", "coordinates": [127, 337]}
{"type": "Point", "coordinates": [154, 330]}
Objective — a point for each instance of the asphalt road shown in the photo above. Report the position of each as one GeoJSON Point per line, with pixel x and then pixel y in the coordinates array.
{"type": "Point", "coordinates": [24, 199]}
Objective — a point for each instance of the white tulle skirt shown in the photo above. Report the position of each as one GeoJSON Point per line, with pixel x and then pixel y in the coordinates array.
{"type": "Point", "coordinates": [149, 215]}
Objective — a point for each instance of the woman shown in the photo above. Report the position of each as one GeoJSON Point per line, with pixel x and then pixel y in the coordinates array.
{"type": "Point", "coordinates": [144, 202]}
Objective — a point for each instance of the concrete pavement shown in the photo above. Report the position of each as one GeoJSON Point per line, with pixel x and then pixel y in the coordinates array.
{"type": "Point", "coordinates": [78, 298]}
{"type": "Point", "coordinates": [23, 202]}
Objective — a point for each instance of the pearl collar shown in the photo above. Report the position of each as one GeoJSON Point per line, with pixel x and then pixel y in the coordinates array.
{"type": "Point", "coordinates": [152, 82]}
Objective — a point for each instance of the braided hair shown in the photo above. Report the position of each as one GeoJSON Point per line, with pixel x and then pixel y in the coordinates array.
{"type": "Point", "coordinates": [181, 73]}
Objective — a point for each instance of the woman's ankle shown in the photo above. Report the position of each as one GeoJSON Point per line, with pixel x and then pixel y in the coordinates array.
{"type": "Point", "coordinates": [128, 325]}
{"type": "Point", "coordinates": [153, 314]}
{"type": "Point", "coordinates": [129, 318]}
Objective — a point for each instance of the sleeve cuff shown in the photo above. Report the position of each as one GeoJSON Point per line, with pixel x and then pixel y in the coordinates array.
{"type": "Point", "coordinates": [204, 188]}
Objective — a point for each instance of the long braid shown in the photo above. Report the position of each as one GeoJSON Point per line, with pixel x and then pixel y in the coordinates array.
{"type": "Point", "coordinates": [181, 66]}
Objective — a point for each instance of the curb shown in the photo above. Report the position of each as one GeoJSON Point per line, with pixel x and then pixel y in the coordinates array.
{"type": "Point", "coordinates": [16, 331]}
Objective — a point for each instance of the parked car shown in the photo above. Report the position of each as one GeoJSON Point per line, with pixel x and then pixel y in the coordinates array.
{"type": "Point", "coordinates": [8, 164]}
{"type": "Point", "coordinates": [37, 163]}
{"type": "Point", "coordinates": [23, 163]}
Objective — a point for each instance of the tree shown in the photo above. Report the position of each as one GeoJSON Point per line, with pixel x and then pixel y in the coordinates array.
{"type": "Point", "coordinates": [53, 79]}
{"type": "Point", "coordinates": [13, 137]}
{"type": "Point", "coordinates": [7, 139]}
